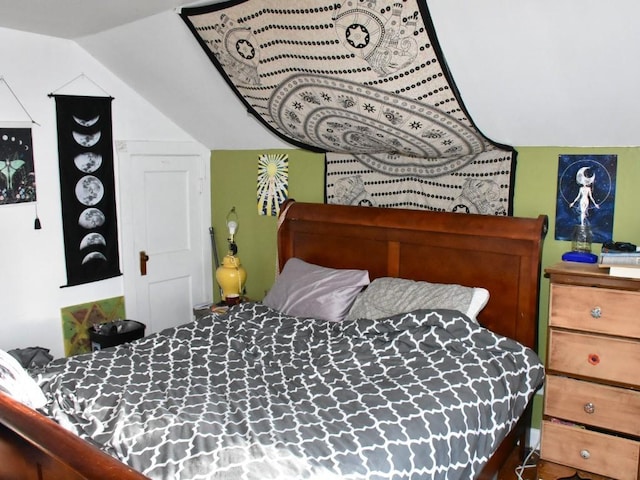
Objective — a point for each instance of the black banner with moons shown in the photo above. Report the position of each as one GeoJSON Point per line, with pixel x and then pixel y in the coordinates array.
{"type": "Point", "coordinates": [87, 188]}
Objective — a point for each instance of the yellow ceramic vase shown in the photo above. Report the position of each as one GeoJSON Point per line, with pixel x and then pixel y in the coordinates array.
{"type": "Point", "coordinates": [231, 276]}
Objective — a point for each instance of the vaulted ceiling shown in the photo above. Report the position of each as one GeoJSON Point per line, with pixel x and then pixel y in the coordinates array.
{"type": "Point", "coordinates": [530, 73]}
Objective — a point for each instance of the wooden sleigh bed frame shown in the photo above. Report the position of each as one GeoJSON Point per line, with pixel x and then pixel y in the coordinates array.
{"type": "Point", "coordinates": [501, 254]}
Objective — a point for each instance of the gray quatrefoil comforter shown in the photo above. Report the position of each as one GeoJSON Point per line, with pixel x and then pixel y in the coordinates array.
{"type": "Point", "coordinates": [256, 394]}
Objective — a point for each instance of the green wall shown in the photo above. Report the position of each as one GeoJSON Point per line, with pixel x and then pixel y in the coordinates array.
{"type": "Point", "coordinates": [234, 176]}
{"type": "Point", "coordinates": [535, 193]}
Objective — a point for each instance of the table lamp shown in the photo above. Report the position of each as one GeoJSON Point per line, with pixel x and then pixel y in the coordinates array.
{"type": "Point", "coordinates": [231, 275]}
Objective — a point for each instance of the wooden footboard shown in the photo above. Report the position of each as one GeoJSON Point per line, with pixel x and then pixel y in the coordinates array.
{"type": "Point", "coordinates": [33, 446]}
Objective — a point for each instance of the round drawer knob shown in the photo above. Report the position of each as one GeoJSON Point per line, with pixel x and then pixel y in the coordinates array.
{"type": "Point", "coordinates": [596, 312]}
{"type": "Point", "coordinates": [593, 358]}
{"type": "Point", "coordinates": [589, 407]}
{"type": "Point", "coordinates": [585, 454]}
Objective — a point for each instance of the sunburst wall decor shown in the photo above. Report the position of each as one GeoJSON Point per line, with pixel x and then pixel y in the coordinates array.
{"type": "Point", "coordinates": [273, 183]}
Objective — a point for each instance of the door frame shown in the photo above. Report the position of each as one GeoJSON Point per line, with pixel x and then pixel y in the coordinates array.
{"type": "Point", "coordinates": [126, 153]}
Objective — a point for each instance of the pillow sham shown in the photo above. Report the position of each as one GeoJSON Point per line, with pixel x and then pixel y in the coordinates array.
{"type": "Point", "coordinates": [307, 290]}
{"type": "Point", "coordinates": [388, 296]}
{"type": "Point", "coordinates": [17, 383]}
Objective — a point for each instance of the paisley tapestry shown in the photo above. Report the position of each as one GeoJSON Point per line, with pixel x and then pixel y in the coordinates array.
{"type": "Point", "coordinates": [367, 83]}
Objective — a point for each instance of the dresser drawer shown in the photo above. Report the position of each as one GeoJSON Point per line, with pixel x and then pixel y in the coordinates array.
{"type": "Point", "coordinates": [591, 451]}
{"type": "Point", "coordinates": [594, 356]}
{"type": "Point", "coordinates": [600, 310]}
{"type": "Point", "coordinates": [612, 408]}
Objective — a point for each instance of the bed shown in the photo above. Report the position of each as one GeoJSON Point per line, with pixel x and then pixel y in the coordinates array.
{"type": "Point", "coordinates": [289, 361]}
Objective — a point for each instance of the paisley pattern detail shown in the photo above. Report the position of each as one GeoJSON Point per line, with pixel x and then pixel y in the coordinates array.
{"type": "Point", "coordinates": [363, 80]}
{"type": "Point", "coordinates": [369, 120]}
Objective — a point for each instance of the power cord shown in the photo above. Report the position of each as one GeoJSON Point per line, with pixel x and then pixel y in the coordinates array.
{"type": "Point", "coordinates": [519, 470]}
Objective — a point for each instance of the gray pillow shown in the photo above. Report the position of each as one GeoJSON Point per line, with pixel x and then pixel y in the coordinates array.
{"type": "Point", "coordinates": [307, 290]}
{"type": "Point", "coordinates": [388, 296]}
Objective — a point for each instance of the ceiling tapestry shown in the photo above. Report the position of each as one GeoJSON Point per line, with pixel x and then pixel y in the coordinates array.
{"type": "Point", "coordinates": [365, 82]}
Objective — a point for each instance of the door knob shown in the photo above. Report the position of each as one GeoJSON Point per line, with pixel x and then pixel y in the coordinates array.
{"type": "Point", "coordinates": [144, 258]}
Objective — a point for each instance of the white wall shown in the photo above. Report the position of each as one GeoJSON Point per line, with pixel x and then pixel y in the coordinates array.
{"type": "Point", "coordinates": [545, 72]}
{"type": "Point", "coordinates": [531, 72]}
{"type": "Point", "coordinates": [161, 48]}
{"type": "Point", "coordinates": [32, 268]}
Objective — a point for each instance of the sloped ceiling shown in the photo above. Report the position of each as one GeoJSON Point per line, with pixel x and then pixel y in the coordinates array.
{"type": "Point", "coordinates": [530, 73]}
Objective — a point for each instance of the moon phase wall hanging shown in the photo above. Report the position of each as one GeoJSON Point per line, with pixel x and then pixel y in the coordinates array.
{"type": "Point", "coordinates": [87, 190]}
{"type": "Point", "coordinates": [365, 82]}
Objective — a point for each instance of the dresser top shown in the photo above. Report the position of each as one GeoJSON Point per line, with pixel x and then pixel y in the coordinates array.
{"type": "Point", "coordinates": [588, 274]}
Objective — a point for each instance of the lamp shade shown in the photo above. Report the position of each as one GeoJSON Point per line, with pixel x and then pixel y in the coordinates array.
{"type": "Point", "coordinates": [231, 276]}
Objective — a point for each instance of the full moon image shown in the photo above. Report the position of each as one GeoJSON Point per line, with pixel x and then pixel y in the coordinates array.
{"type": "Point", "coordinates": [89, 190]}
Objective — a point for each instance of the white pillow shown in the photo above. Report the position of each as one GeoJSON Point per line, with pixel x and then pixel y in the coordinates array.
{"type": "Point", "coordinates": [478, 302]}
{"type": "Point", "coordinates": [389, 296]}
{"type": "Point", "coordinates": [307, 290]}
{"type": "Point", "coordinates": [17, 383]}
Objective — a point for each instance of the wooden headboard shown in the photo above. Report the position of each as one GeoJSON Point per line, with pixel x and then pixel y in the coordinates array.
{"type": "Point", "coordinates": [501, 254]}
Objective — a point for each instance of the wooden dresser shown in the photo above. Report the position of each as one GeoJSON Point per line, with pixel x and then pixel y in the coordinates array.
{"type": "Point", "coordinates": [592, 391]}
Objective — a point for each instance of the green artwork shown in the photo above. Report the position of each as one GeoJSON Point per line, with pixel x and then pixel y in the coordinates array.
{"type": "Point", "coordinates": [77, 319]}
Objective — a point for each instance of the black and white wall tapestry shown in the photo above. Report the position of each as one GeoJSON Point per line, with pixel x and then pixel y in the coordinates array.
{"type": "Point", "coordinates": [365, 82]}
{"type": "Point", "coordinates": [17, 173]}
{"type": "Point", "coordinates": [87, 190]}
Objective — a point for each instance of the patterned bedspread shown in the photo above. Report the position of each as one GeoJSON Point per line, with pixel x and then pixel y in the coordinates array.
{"type": "Point", "coordinates": [256, 394]}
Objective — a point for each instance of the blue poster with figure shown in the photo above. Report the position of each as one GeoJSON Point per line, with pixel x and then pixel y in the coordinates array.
{"type": "Point", "coordinates": [586, 195]}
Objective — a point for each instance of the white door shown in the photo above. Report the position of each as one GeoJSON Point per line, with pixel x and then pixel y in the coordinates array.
{"type": "Point", "coordinates": [165, 217]}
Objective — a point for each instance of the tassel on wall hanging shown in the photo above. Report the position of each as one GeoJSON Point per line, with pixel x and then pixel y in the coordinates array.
{"type": "Point", "coordinates": [87, 188]}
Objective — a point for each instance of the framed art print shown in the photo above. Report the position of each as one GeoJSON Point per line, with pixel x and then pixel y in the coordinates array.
{"type": "Point", "coordinates": [586, 195]}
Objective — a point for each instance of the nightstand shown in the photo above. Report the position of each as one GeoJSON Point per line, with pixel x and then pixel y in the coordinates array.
{"type": "Point", "coordinates": [591, 419]}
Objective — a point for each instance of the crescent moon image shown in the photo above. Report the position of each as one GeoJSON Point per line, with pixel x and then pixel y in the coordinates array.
{"type": "Point", "coordinates": [582, 178]}
{"type": "Point", "coordinates": [88, 162]}
{"type": "Point", "coordinates": [91, 239]}
{"type": "Point", "coordinates": [94, 256]}
{"type": "Point", "coordinates": [87, 139]}
{"type": "Point", "coordinates": [89, 190]}
{"type": "Point", "coordinates": [91, 218]}
{"type": "Point", "coordinates": [86, 123]}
